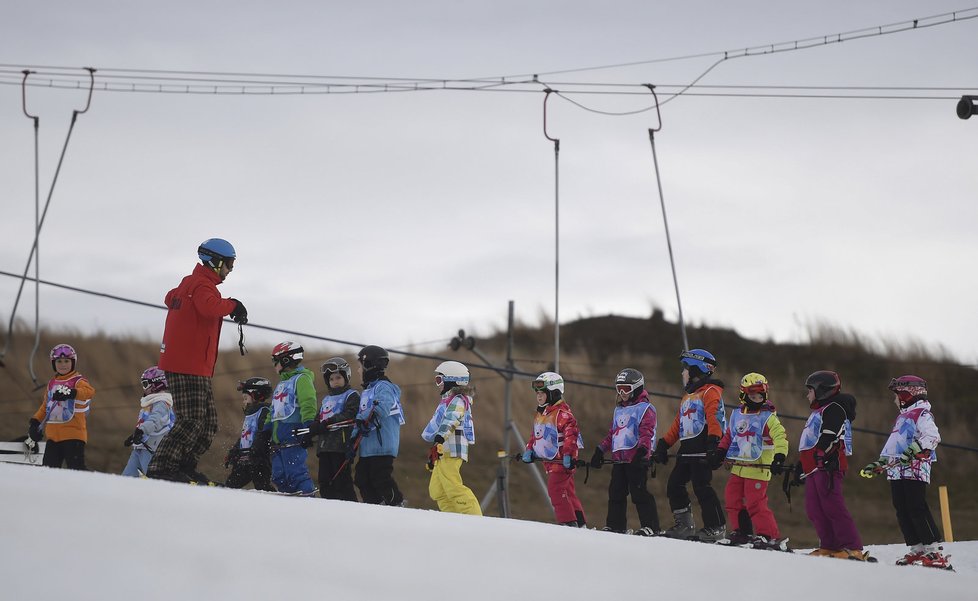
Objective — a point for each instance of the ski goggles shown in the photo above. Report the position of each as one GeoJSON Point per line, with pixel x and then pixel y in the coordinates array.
{"type": "Point", "coordinates": [759, 388]}
{"type": "Point", "coordinates": [539, 385]}
{"type": "Point", "coordinates": [697, 357]}
{"type": "Point", "coordinates": [332, 367]}
{"type": "Point", "coordinates": [627, 389]}
{"type": "Point", "coordinates": [439, 380]}
{"type": "Point", "coordinates": [898, 384]}
{"type": "Point", "coordinates": [62, 351]}
{"type": "Point", "coordinates": [146, 383]}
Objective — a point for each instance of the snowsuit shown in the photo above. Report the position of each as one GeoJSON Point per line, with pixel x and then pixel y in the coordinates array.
{"type": "Point", "coordinates": [65, 423]}
{"type": "Point", "coordinates": [752, 436]}
{"type": "Point", "coordinates": [381, 417]}
{"type": "Point", "coordinates": [293, 406]}
{"type": "Point", "coordinates": [632, 427]}
{"type": "Point", "coordinates": [452, 421]}
{"type": "Point", "coordinates": [187, 354]}
{"type": "Point", "coordinates": [822, 453]}
{"type": "Point", "coordinates": [155, 419]}
{"type": "Point", "coordinates": [698, 426]}
{"type": "Point", "coordinates": [555, 434]}
{"type": "Point", "coordinates": [335, 470]}
{"type": "Point", "coordinates": [908, 483]}
{"type": "Point", "coordinates": [248, 457]}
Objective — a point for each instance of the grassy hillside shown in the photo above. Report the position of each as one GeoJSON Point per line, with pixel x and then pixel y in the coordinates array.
{"type": "Point", "coordinates": [594, 349]}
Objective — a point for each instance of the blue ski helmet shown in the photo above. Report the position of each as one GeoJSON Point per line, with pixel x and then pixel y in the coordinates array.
{"type": "Point", "coordinates": [698, 361]}
{"type": "Point", "coordinates": [215, 251]}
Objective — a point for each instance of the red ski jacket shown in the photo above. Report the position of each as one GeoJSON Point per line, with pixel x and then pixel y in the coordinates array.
{"type": "Point", "coordinates": [193, 324]}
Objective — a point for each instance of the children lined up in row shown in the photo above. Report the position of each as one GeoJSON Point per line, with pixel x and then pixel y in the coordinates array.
{"type": "Point", "coordinates": [276, 432]}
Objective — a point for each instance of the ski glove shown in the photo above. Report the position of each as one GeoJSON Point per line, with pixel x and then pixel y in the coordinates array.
{"type": "Point", "coordinates": [304, 435]}
{"type": "Point", "coordinates": [34, 430]}
{"type": "Point", "coordinates": [63, 393]}
{"type": "Point", "coordinates": [829, 463]}
{"type": "Point", "coordinates": [915, 453]}
{"type": "Point", "coordinates": [568, 462]}
{"type": "Point", "coordinates": [239, 315]}
{"type": "Point", "coordinates": [135, 438]}
{"type": "Point", "coordinates": [714, 455]}
{"type": "Point", "coordinates": [528, 456]}
{"type": "Point", "coordinates": [434, 454]}
{"type": "Point", "coordinates": [876, 467]}
{"type": "Point", "coordinates": [231, 456]}
{"type": "Point", "coordinates": [640, 454]}
{"type": "Point", "coordinates": [661, 453]}
{"type": "Point", "coordinates": [777, 464]}
{"type": "Point", "coordinates": [597, 459]}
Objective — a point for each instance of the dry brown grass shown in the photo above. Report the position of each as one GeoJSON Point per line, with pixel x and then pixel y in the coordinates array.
{"type": "Point", "coordinates": [595, 349]}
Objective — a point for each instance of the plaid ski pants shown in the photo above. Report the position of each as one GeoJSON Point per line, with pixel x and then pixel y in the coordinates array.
{"type": "Point", "coordinates": [195, 426]}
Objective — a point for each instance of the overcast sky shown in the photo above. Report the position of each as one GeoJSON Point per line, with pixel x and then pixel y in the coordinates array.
{"type": "Point", "coordinates": [391, 218]}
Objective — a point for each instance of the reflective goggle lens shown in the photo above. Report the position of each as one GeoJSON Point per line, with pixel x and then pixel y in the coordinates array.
{"type": "Point", "coordinates": [439, 380]}
{"type": "Point", "coordinates": [624, 388]}
{"type": "Point", "coordinates": [539, 386]}
{"type": "Point", "coordinates": [331, 368]}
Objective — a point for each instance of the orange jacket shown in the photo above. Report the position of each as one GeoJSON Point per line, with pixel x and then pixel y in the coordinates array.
{"type": "Point", "coordinates": [77, 427]}
{"type": "Point", "coordinates": [712, 396]}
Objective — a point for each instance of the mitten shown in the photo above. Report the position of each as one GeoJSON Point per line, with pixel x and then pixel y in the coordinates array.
{"type": "Point", "coordinates": [567, 461]}
{"type": "Point", "coordinates": [777, 464]}
{"type": "Point", "coordinates": [597, 459]}
{"type": "Point", "coordinates": [915, 453]}
{"type": "Point", "coordinates": [661, 453]}
{"type": "Point", "coordinates": [640, 454]}
{"type": "Point", "coordinates": [874, 468]}
{"type": "Point", "coordinates": [528, 456]}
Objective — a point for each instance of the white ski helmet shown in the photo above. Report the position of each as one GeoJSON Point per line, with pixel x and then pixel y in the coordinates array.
{"type": "Point", "coordinates": [452, 372]}
{"type": "Point", "coordinates": [548, 380]}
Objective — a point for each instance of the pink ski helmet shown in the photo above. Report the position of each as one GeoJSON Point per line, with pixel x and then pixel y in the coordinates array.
{"type": "Point", "coordinates": [153, 380]}
{"type": "Point", "coordinates": [63, 351]}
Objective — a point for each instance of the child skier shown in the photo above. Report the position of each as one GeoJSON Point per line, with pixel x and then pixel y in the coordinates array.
{"type": "Point", "coordinates": [334, 426]}
{"type": "Point", "coordinates": [823, 457]}
{"type": "Point", "coordinates": [63, 414]}
{"type": "Point", "coordinates": [698, 426]}
{"type": "Point", "coordinates": [248, 458]}
{"type": "Point", "coordinates": [629, 439]}
{"type": "Point", "coordinates": [555, 440]}
{"type": "Point", "coordinates": [156, 417]}
{"type": "Point", "coordinates": [378, 424]}
{"type": "Point", "coordinates": [754, 436]}
{"type": "Point", "coordinates": [907, 458]}
{"type": "Point", "coordinates": [293, 405]}
{"type": "Point", "coordinates": [451, 432]}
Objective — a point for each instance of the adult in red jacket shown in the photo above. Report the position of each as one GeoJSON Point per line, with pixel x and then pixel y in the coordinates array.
{"type": "Point", "coordinates": [195, 312]}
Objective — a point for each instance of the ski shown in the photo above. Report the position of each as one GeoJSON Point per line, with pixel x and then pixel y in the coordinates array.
{"type": "Point", "coordinates": [19, 452]}
{"type": "Point", "coordinates": [314, 492]}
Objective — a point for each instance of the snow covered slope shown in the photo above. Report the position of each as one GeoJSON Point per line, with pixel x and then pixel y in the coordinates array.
{"type": "Point", "coordinates": [80, 536]}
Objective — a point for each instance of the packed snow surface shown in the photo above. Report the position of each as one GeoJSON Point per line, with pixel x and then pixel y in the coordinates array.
{"type": "Point", "coordinates": [84, 535]}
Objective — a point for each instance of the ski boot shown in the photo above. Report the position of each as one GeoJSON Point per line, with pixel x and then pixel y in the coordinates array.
{"type": "Point", "coordinates": [612, 530]}
{"type": "Point", "coordinates": [736, 539]}
{"type": "Point", "coordinates": [823, 552]}
{"type": "Point", "coordinates": [858, 555]}
{"type": "Point", "coordinates": [915, 555]}
{"type": "Point", "coordinates": [935, 559]}
{"type": "Point", "coordinates": [684, 527]}
{"type": "Point", "coordinates": [760, 541]}
{"type": "Point", "coordinates": [647, 531]}
{"type": "Point", "coordinates": [710, 535]}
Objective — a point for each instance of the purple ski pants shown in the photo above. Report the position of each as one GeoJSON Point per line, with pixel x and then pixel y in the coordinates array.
{"type": "Point", "coordinates": [827, 512]}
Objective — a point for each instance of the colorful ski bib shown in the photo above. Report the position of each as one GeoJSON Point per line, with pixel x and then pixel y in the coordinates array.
{"type": "Point", "coordinates": [284, 399]}
{"type": "Point", "coordinates": [625, 429]}
{"type": "Point", "coordinates": [468, 428]}
{"type": "Point", "coordinates": [547, 440]}
{"type": "Point", "coordinates": [333, 404]}
{"type": "Point", "coordinates": [692, 415]}
{"type": "Point", "coordinates": [747, 435]}
{"type": "Point", "coordinates": [813, 429]}
{"type": "Point", "coordinates": [248, 430]}
{"type": "Point", "coordinates": [60, 412]}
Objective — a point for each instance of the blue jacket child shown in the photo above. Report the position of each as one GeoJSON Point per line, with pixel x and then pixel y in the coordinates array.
{"type": "Point", "coordinates": [378, 430]}
{"type": "Point", "coordinates": [293, 406]}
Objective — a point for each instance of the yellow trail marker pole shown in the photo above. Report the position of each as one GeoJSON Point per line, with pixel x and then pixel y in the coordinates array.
{"type": "Point", "coordinates": [946, 515]}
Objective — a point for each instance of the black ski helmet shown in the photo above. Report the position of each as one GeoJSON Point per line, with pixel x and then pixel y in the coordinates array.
{"type": "Point", "coordinates": [258, 388]}
{"type": "Point", "coordinates": [825, 384]}
{"type": "Point", "coordinates": [336, 365]}
{"type": "Point", "coordinates": [373, 358]}
{"type": "Point", "coordinates": [630, 381]}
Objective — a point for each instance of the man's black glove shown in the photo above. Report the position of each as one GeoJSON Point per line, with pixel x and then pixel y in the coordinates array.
{"type": "Point", "coordinates": [777, 464]}
{"type": "Point", "coordinates": [34, 430]}
{"type": "Point", "coordinates": [240, 314]}
{"type": "Point", "coordinates": [639, 456]}
{"type": "Point", "coordinates": [63, 393]}
{"type": "Point", "coordinates": [231, 456]}
{"type": "Point", "coordinates": [597, 459]}
{"type": "Point", "coordinates": [714, 456]}
{"type": "Point", "coordinates": [661, 453]}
